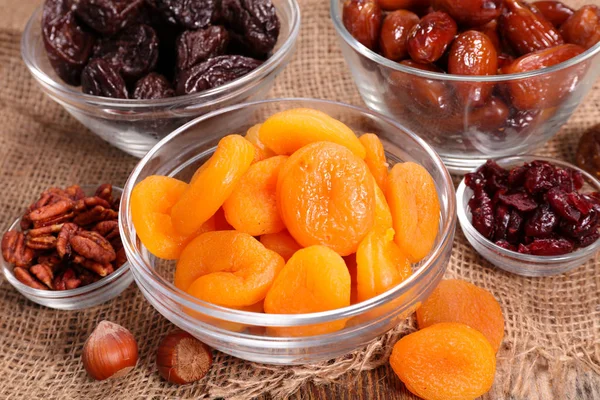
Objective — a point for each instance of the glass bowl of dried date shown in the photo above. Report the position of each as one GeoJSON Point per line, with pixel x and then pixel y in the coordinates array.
{"type": "Point", "coordinates": [280, 284]}
{"type": "Point", "coordinates": [65, 251]}
{"type": "Point", "coordinates": [132, 72]}
{"type": "Point", "coordinates": [531, 215]}
{"type": "Point", "coordinates": [488, 80]}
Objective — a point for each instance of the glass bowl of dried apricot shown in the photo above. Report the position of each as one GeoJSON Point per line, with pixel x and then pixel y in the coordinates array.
{"type": "Point", "coordinates": [290, 230]}
{"type": "Point", "coordinates": [476, 79]}
{"type": "Point", "coordinates": [530, 215]}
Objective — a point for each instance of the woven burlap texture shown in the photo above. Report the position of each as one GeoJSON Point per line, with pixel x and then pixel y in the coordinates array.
{"type": "Point", "coordinates": [552, 343]}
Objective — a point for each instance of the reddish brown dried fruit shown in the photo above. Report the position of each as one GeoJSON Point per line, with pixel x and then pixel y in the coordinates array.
{"type": "Point", "coordinates": [526, 29]}
{"type": "Point", "coordinates": [108, 16]}
{"type": "Point", "coordinates": [14, 250]}
{"type": "Point", "coordinates": [153, 86]}
{"type": "Point", "coordinates": [470, 12]}
{"type": "Point", "coordinates": [194, 47]}
{"type": "Point", "coordinates": [192, 14]}
{"type": "Point", "coordinates": [588, 151]}
{"type": "Point", "coordinates": [428, 40]}
{"type": "Point", "coordinates": [554, 11]}
{"type": "Point", "coordinates": [547, 247]}
{"type": "Point", "coordinates": [413, 5]}
{"type": "Point", "coordinates": [491, 31]}
{"type": "Point", "coordinates": [492, 115]}
{"type": "Point", "coordinates": [93, 246]}
{"type": "Point", "coordinates": [100, 78]}
{"type": "Point", "coordinates": [583, 27]}
{"type": "Point", "coordinates": [254, 22]}
{"type": "Point", "coordinates": [363, 20]}
{"type": "Point", "coordinates": [482, 213]}
{"type": "Point", "coordinates": [25, 277]}
{"type": "Point", "coordinates": [394, 32]}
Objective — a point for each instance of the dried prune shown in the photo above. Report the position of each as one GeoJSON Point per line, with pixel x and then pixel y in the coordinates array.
{"type": "Point", "coordinates": [214, 72]}
{"type": "Point", "coordinates": [191, 14]}
{"type": "Point", "coordinates": [520, 200]}
{"type": "Point", "coordinates": [254, 22]}
{"type": "Point", "coordinates": [363, 20]}
{"type": "Point", "coordinates": [588, 151]}
{"type": "Point", "coordinates": [482, 213]}
{"type": "Point", "coordinates": [194, 47]}
{"type": "Point", "coordinates": [68, 46]}
{"type": "Point", "coordinates": [101, 78]}
{"type": "Point", "coordinates": [559, 201]}
{"type": "Point", "coordinates": [108, 16]}
{"type": "Point", "coordinates": [541, 223]}
{"type": "Point", "coordinates": [547, 247]}
{"type": "Point", "coordinates": [153, 86]}
{"type": "Point", "coordinates": [55, 9]}
{"type": "Point", "coordinates": [134, 51]}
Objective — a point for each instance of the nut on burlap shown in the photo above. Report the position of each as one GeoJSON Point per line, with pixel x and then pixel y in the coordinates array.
{"type": "Point", "coordinates": [552, 345]}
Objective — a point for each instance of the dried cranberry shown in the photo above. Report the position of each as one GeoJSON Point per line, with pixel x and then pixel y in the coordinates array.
{"type": "Point", "coordinates": [558, 200]}
{"type": "Point", "coordinates": [101, 78]}
{"type": "Point", "coordinates": [474, 180]}
{"type": "Point", "coordinates": [108, 16]}
{"type": "Point", "coordinates": [548, 247]}
{"type": "Point", "coordinates": [541, 223]}
{"type": "Point", "coordinates": [539, 177]}
{"type": "Point", "coordinates": [491, 168]}
{"type": "Point", "coordinates": [589, 239]}
{"type": "Point", "coordinates": [513, 231]}
{"type": "Point", "coordinates": [516, 176]}
{"type": "Point", "coordinates": [505, 245]}
{"type": "Point", "coordinates": [584, 227]}
{"type": "Point", "coordinates": [520, 200]}
{"type": "Point", "coordinates": [579, 202]}
{"type": "Point", "coordinates": [501, 220]}
{"type": "Point", "coordinates": [482, 213]}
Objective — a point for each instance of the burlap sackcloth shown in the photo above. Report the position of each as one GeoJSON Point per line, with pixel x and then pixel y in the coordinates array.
{"type": "Point", "coordinates": [552, 344]}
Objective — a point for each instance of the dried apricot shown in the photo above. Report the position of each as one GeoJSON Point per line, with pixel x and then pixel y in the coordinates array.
{"type": "Point", "coordinates": [314, 279]}
{"type": "Point", "coordinates": [252, 206]}
{"type": "Point", "coordinates": [151, 202]}
{"type": "Point", "coordinates": [287, 131]}
{"type": "Point", "coordinates": [351, 264]}
{"type": "Point", "coordinates": [380, 264]}
{"type": "Point", "coordinates": [281, 243]}
{"type": "Point", "coordinates": [211, 187]}
{"type": "Point", "coordinates": [227, 268]}
{"type": "Point", "coordinates": [262, 151]}
{"type": "Point", "coordinates": [455, 300]}
{"type": "Point", "coordinates": [415, 208]}
{"type": "Point", "coordinates": [445, 361]}
{"type": "Point", "coordinates": [383, 215]}
{"type": "Point", "coordinates": [375, 158]}
{"type": "Point", "coordinates": [325, 195]}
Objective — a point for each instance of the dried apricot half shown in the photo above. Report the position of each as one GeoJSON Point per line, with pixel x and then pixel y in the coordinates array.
{"type": "Point", "coordinates": [325, 195]}
{"type": "Point", "coordinates": [287, 131]}
{"type": "Point", "coordinates": [447, 361]}
{"type": "Point", "coordinates": [252, 206]}
{"type": "Point", "coordinates": [375, 158]}
{"type": "Point", "coordinates": [381, 264]}
{"type": "Point", "coordinates": [213, 184]}
{"type": "Point", "coordinates": [227, 268]}
{"type": "Point", "coordinates": [455, 300]}
{"type": "Point", "coordinates": [151, 202]}
{"type": "Point", "coordinates": [383, 215]}
{"type": "Point", "coordinates": [262, 151]}
{"type": "Point", "coordinates": [281, 243]}
{"type": "Point", "coordinates": [314, 279]}
{"type": "Point", "coordinates": [415, 207]}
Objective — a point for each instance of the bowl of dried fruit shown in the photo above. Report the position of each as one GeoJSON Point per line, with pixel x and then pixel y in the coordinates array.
{"type": "Point", "coordinates": [286, 247]}
{"type": "Point", "coordinates": [476, 79]}
{"type": "Point", "coordinates": [65, 251]}
{"type": "Point", "coordinates": [132, 72]}
{"type": "Point", "coordinates": [531, 215]}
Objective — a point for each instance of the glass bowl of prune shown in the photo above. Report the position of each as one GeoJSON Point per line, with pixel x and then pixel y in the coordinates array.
{"type": "Point", "coordinates": [531, 215]}
{"type": "Point", "coordinates": [476, 79]}
{"type": "Point", "coordinates": [133, 71]}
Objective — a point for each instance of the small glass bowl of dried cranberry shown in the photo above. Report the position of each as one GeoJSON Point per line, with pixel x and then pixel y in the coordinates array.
{"type": "Point", "coordinates": [65, 251]}
{"type": "Point", "coordinates": [134, 71]}
{"type": "Point", "coordinates": [530, 215]}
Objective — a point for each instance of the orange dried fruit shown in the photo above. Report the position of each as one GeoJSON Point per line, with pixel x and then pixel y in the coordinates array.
{"type": "Point", "coordinates": [445, 361]}
{"type": "Point", "coordinates": [213, 184]}
{"type": "Point", "coordinates": [314, 279]}
{"type": "Point", "coordinates": [381, 265]}
{"type": "Point", "coordinates": [151, 202]}
{"type": "Point", "coordinates": [287, 131]}
{"type": "Point", "coordinates": [227, 268]}
{"type": "Point", "coordinates": [281, 243]}
{"type": "Point", "coordinates": [220, 222]}
{"type": "Point", "coordinates": [262, 151]}
{"type": "Point", "coordinates": [375, 158]}
{"type": "Point", "coordinates": [252, 206]}
{"type": "Point", "coordinates": [415, 208]}
{"type": "Point", "coordinates": [325, 195]}
{"type": "Point", "coordinates": [455, 300]}
{"type": "Point", "coordinates": [383, 215]}
{"type": "Point", "coordinates": [351, 265]}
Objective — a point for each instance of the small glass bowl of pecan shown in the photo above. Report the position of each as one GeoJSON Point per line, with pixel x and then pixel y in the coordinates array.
{"type": "Point", "coordinates": [65, 252]}
{"type": "Point", "coordinates": [531, 215]}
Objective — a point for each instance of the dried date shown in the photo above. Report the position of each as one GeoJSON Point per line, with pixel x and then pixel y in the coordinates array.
{"type": "Point", "coordinates": [153, 86]}
{"type": "Point", "coordinates": [429, 39]}
{"type": "Point", "coordinates": [583, 27]}
{"type": "Point", "coordinates": [394, 31]}
{"type": "Point", "coordinates": [554, 11]}
{"type": "Point", "coordinates": [363, 20]}
{"type": "Point", "coordinates": [108, 16]}
{"type": "Point", "coordinates": [470, 12]}
{"type": "Point", "coordinates": [194, 47]}
{"type": "Point", "coordinates": [100, 78]}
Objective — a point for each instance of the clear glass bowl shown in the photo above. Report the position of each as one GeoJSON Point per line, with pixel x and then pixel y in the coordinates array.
{"type": "Point", "coordinates": [134, 126]}
{"type": "Point", "coordinates": [518, 263]}
{"type": "Point", "coordinates": [250, 335]}
{"type": "Point", "coordinates": [462, 133]}
{"type": "Point", "coordinates": [75, 299]}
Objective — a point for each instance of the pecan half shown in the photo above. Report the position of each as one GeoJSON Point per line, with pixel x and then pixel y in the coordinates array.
{"type": "Point", "coordinates": [121, 258]}
{"type": "Point", "coordinates": [90, 202]}
{"type": "Point", "coordinates": [52, 260]}
{"type": "Point", "coordinates": [75, 192]}
{"type": "Point", "coordinates": [14, 250]}
{"type": "Point", "coordinates": [25, 277]}
{"type": "Point", "coordinates": [99, 268]}
{"type": "Point", "coordinates": [93, 246]}
{"type": "Point", "coordinates": [41, 242]}
{"type": "Point", "coordinates": [45, 230]}
{"type": "Point", "coordinates": [63, 242]}
{"type": "Point", "coordinates": [44, 273]}
{"type": "Point", "coordinates": [98, 213]}
{"type": "Point", "coordinates": [66, 280]}
{"type": "Point", "coordinates": [59, 219]}
{"type": "Point", "coordinates": [51, 211]}
{"type": "Point", "coordinates": [86, 276]}
{"type": "Point", "coordinates": [105, 192]}
{"type": "Point", "coordinates": [108, 229]}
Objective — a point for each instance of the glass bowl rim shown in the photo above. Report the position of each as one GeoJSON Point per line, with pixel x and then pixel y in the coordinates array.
{"type": "Point", "coordinates": [336, 17]}
{"type": "Point", "coordinates": [196, 98]}
{"type": "Point", "coordinates": [62, 294]}
{"type": "Point", "coordinates": [465, 224]}
{"type": "Point", "coordinates": [139, 266]}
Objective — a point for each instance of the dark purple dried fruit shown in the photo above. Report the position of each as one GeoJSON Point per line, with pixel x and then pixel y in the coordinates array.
{"type": "Point", "coordinates": [541, 223]}
{"type": "Point", "coordinates": [547, 247]}
{"type": "Point", "coordinates": [214, 72]}
{"type": "Point", "coordinates": [100, 78]}
{"type": "Point", "coordinates": [134, 51]}
{"type": "Point", "coordinates": [588, 225]}
{"type": "Point", "coordinates": [516, 176]}
{"type": "Point", "coordinates": [474, 180]}
{"type": "Point", "coordinates": [153, 86]}
{"type": "Point", "coordinates": [539, 177]}
{"type": "Point", "coordinates": [194, 47]}
{"type": "Point", "coordinates": [520, 200]}
{"type": "Point", "coordinates": [491, 168]}
{"type": "Point", "coordinates": [482, 213]}
{"type": "Point", "coordinates": [587, 240]}
{"type": "Point", "coordinates": [108, 16]}
{"type": "Point", "coordinates": [505, 245]}
{"type": "Point", "coordinates": [558, 200]}
{"type": "Point", "coordinates": [501, 220]}
{"type": "Point", "coordinates": [513, 231]}
{"type": "Point", "coordinates": [253, 22]}
{"type": "Point", "coordinates": [55, 9]}
{"type": "Point", "coordinates": [191, 14]}
{"type": "Point", "coordinates": [569, 180]}
{"type": "Point", "coordinates": [68, 46]}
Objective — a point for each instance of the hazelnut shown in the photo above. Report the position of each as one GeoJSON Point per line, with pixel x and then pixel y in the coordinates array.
{"type": "Point", "coordinates": [181, 358]}
{"type": "Point", "coordinates": [110, 352]}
